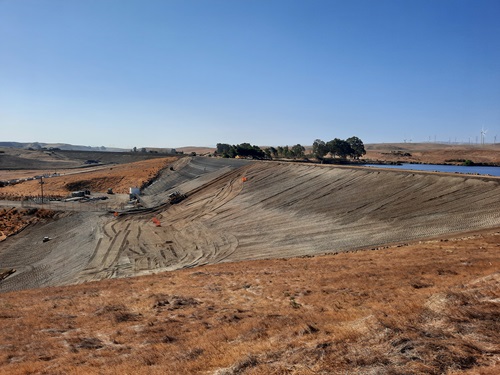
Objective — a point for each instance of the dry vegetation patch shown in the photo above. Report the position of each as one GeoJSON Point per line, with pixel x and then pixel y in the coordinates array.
{"type": "Point", "coordinates": [118, 177]}
{"type": "Point", "coordinates": [427, 308]}
{"type": "Point", "coordinates": [433, 153]}
{"type": "Point", "coordinates": [14, 220]}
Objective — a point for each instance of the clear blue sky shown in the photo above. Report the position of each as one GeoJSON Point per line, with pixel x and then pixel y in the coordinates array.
{"type": "Point", "coordinates": [174, 73]}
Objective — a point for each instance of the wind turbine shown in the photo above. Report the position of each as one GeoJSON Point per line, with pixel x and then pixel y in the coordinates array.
{"type": "Point", "coordinates": [483, 133]}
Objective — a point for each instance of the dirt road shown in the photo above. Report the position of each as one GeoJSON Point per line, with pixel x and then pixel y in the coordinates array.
{"type": "Point", "coordinates": [277, 210]}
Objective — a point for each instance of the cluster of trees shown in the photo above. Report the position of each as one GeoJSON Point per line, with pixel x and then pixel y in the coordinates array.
{"type": "Point", "coordinates": [244, 150]}
{"type": "Point", "coordinates": [247, 150]}
{"type": "Point", "coordinates": [352, 147]}
{"type": "Point", "coordinates": [296, 151]}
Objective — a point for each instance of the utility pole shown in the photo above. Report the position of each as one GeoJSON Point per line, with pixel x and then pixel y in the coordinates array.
{"type": "Point", "coordinates": [41, 186]}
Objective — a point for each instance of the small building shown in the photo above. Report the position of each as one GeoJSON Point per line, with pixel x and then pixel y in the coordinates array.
{"type": "Point", "coordinates": [134, 192]}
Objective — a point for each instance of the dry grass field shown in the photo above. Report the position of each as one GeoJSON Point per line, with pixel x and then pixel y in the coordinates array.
{"type": "Point", "coordinates": [423, 308]}
{"type": "Point", "coordinates": [13, 220]}
{"type": "Point", "coordinates": [433, 153]}
{"type": "Point", "coordinates": [293, 269]}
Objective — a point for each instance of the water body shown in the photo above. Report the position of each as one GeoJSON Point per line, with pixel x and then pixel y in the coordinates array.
{"type": "Point", "coordinates": [482, 170]}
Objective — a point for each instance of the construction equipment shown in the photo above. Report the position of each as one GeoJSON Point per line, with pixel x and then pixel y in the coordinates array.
{"type": "Point", "coordinates": [6, 272]}
{"type": "Point", "coordinates": [176, 197]}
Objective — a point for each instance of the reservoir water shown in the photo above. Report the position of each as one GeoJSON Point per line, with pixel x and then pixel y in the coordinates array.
{"type": "Point", "coordinates": [482, 170]}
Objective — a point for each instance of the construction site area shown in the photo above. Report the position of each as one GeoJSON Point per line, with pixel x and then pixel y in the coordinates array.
{"type": "Point", "coordinates": [229, 210]}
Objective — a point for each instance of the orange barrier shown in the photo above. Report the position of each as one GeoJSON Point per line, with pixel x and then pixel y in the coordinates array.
{"type": "Point", "coordinates": [157, 222]}
{"type": "Point", "coordinates": [244, 179]}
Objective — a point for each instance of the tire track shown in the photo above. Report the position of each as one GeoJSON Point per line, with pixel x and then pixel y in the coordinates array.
{"type": "Point", "coordinates": [282, 210]}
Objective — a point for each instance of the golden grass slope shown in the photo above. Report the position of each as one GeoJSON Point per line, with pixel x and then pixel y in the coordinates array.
{"type": "Point", "coordinates": [13, 220]}
{"type": "Point", "coordinates": [425, 308]}
{"type": "Point", "coordinates": [433, 153]}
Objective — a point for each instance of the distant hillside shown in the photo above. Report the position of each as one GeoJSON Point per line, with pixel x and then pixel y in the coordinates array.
{"type": "Point", "coordinates": [61, 146]}
{"type": "Point", "coordinates": [197, 150]}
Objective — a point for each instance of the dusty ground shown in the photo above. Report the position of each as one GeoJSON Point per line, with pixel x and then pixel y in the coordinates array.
{"type": "Point", "coordinates": [426, 307]}
{"type": "Point", "coordinates": [281, 210]}
{"type": "Point", "coordinates": [286, 210]}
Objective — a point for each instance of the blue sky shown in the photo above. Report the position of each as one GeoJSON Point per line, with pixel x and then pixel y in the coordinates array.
{"type": "Point", "coordinates": [197, 72]}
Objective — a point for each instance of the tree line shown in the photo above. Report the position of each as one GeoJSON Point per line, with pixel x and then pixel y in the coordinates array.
{"type": "Point", "coordinates": [352, 147]}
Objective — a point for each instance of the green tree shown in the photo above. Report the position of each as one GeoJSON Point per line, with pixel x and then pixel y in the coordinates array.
{"type": "Point", "coordinates": [357, 146]}
{"type": "Point", "coordinates": [298, 151]}
{"type": "Point", "coordinates": [286, 151]}
{"type": "Point", "coordinates": [231, 153]}
{"type": "Point", "coordinates": [280, 151]}
{"type": "Point", "coordinates": [274, 152]}
{"type": "Point", "coordinates": [222, 148]}
{"type": "Point", "coordinates": [340, 148]}
{"type": "Point", "coordinates": [319, 148]}
{"type": "Point", "coordinates": [247, 150]}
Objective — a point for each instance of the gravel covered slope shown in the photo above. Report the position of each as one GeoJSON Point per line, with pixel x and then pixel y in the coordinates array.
{"type": "Point", "coordinates": [253, 210]}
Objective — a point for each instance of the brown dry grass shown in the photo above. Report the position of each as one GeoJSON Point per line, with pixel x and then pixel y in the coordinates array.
{"type": "Point", "coordinates": [119, 177]}
{"type": "Point", "coordinates": [428, 308]}
{"type": "Point", "coordinates": [433, 153]}
{"type": "Point", "coordinates": [425, 308]}
{"type": "Point", "coordinates": [13, 220]}
{"type": "Point", "coordinates": [197, 150]}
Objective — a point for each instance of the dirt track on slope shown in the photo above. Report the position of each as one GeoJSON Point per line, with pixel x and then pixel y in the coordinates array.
{"type": "Point", "coordinates": [281, 210]}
